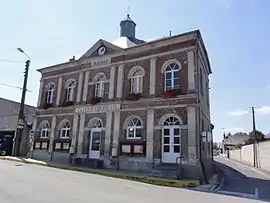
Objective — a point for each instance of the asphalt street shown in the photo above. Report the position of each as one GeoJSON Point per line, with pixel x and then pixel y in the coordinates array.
{"type": "Point", "coordinates": [22, 183]}
{"type": "Point", "coordinates": [243, 180]}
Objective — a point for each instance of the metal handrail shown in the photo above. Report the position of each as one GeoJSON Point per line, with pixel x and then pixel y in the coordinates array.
{"type": "Point", "coordinates": [178, 166]}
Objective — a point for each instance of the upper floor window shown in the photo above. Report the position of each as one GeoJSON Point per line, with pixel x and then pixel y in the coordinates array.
{"type": "Point", "coordinates": [99, 86]}
{"type": "Point", "coordinates": [172, 76]}
{"type": "Point", "coordinates": [50, 93]}
{"type": "Point", "coordinates": [65, 130]}
{"type": "Point", "coordinates": [44, 131]}
{"type": "Point", "coordinates": [134, 128]}
{"type": "Point", "coordinates": [136, 75]}
{"type": "Point", "coordinates": [70, 91]}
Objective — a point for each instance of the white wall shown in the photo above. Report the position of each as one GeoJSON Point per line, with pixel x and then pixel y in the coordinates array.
{"type": "Point", "coordinates": [246, 155]}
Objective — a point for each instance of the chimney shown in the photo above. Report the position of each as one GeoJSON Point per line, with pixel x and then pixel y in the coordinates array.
{"type": "Point", "coordinates": [72, 59]}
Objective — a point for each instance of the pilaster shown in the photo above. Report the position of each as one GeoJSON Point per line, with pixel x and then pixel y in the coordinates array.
{"type": "Point", "coordinates": [80, 136]}
{"type": "Point", "coordinates": [152, 88]}
{"type": "Point", "coordinates": [59, 90]}
{"type": "Point", "coordinates": [74, 133]}
{"type": "Point", "coordinates": [150, 135]}
{"type": "Point", "coordinates": [108, 134]}
{"type": "Point", "coordinates": [112, 79]}
{"type": "Point", "coordinates": [85, 87]}
{"type": "Point", "coordinates": [80, 86]}
{"type": "Point", "coordinates": [116, 129]}
{"type": "Point", "coordinates": [40, 92]}
{"type": "Point", "coordinates": [191, 111]}
{"type": "Point", "coordinates": [53, 125]}
{"type": "Point", "coordinates": [120, 81]}
{"type": "Point", "coordinates": [191, 71]}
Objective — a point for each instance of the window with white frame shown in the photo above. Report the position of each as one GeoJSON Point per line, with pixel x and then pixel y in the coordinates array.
{"type": "Point", "coordinates": [65, 130]}
{"type": "Point", "coordinates": [70, 91]}
{"type": "Point", "coordinates": [172, 76]}
{"type": "Point", "coordinates": [99, 86]}
{"type": "Point", "coordinates": [137, 82]}
{"type": "Point", "coordinates": [44, 131]}
{"type": "Point", "coordinates": [134, 129]}
{"type": "Point", "coordinates": [50, 95]}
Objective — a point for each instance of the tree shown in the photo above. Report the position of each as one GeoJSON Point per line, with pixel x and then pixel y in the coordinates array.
{"type": "Point", "coordinates": [215, 145]}
{"type": "Point", "coordinates": [259, 136]}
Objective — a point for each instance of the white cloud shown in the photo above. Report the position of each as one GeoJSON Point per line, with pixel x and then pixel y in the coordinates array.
{"type": "Point", "coordinates": [238, 112]}
{"type": "Point", "coordinates": [264, 110]}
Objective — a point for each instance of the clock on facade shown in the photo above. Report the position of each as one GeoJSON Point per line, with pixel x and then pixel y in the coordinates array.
{"type": "Point", "coordinates": [102, 50]}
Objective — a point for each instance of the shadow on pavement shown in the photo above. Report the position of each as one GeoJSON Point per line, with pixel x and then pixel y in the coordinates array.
{"type": "Point", "coordinates": [235, 183]}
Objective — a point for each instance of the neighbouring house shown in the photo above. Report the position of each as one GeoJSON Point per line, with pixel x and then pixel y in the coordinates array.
{"type": "Point", "coordinates": [129, 104]}
{"type": "Point", "coordinates": [9, 111]}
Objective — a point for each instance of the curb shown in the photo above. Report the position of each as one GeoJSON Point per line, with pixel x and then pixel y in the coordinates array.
{"type": "Point", "coordinates": [148, 180]}
{"type": "Point", "coordinates": [220, 180]}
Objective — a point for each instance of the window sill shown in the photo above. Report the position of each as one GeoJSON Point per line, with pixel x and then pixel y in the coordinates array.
{"type": "Point", "coordinates": [134, 138]}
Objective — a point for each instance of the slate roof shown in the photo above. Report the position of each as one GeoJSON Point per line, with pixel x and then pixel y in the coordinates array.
{"type": "Point", "coordinates": [9, 114]}
{"type": "Point", "coordinates": [127, 42]}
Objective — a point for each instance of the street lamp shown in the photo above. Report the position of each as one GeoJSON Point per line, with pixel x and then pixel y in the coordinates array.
{"type": "Point", "coordinates": [21, 118]}
{"type": "Point", "coordinates": [21, 50]}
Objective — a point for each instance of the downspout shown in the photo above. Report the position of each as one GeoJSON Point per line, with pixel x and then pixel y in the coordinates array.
{"type": "Point", "coordinates": [198, 112]}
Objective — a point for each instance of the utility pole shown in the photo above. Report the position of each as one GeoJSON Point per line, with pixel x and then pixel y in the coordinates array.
{"type": "Point", "coordinates": [255, 159]}
{"type": "Point", "coordinates": [21, 119]}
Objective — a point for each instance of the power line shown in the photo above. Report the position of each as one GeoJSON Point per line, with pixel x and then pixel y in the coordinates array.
{"type": "Point", "coordinates": [10, 61]}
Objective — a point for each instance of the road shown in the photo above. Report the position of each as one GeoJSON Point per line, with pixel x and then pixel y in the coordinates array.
{"type": "Point", "coordinates": [242, 180]}
{"type": "Point", "coordinates": [38, 184]}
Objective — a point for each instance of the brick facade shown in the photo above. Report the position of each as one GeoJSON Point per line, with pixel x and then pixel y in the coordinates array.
{"type": "Point", "coordinates": [113, 132]}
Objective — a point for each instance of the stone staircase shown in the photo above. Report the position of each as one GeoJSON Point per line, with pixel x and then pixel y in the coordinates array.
{"type": "Point", "coordinates": [168, 171]}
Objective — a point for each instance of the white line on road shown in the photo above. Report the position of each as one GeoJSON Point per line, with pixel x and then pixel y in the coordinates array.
{"type": "Point", "coordinates": [239, 194]}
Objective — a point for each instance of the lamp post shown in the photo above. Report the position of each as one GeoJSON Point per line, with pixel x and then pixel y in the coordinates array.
{"type": "Point", "coordinates": [21, 118]}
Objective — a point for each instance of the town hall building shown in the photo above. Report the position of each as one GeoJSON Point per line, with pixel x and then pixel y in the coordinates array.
{"type": "Point", "coordinates": [129, 104]}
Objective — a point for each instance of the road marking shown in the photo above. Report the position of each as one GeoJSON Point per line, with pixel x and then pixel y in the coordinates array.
{"type": "Point", "coordinates": [239, 194]}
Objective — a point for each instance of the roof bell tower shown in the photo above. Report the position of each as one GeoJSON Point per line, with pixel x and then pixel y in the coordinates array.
{"type": "Point", "coordinates": [127, 27]}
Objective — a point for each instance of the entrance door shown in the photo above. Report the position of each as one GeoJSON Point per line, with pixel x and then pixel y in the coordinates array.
{"type": "Point", "coordinates": [171, 144]}
{"type": "Point", "coordinates": [94, 149]}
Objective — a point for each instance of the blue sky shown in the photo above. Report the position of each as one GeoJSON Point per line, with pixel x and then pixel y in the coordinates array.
{"type": "Point", "coordinates": [236, 34]}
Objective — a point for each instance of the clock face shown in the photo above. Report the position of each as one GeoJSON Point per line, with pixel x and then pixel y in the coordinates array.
{"type": "Point", "coordinates": [102, 50]}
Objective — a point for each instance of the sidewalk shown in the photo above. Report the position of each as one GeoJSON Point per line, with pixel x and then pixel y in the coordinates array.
{"type": "Point", "coordinates": [139, 177]}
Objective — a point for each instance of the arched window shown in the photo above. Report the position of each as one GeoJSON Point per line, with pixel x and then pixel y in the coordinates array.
{"type": "Point", "coordinates": [96, 124]}
{"type": "Point", "coordinates": [70, 91]}
{"type": "Point", "coordinates": [172, 76]}
{"type": "Point", "coordinates": [171, 121]}
{"type": "Point", "coordinates": [137, 82]}
{"type": "Point", "coordinates": [134, 128]}
{"type": "Point", "coordinates": [99, 86]}
{"type": "Point", "coordinates": [65, 130]}
{"type": "Point", "coordinates": [44, 130]}
{"type": "Point", "coordinates": [50, 95]}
